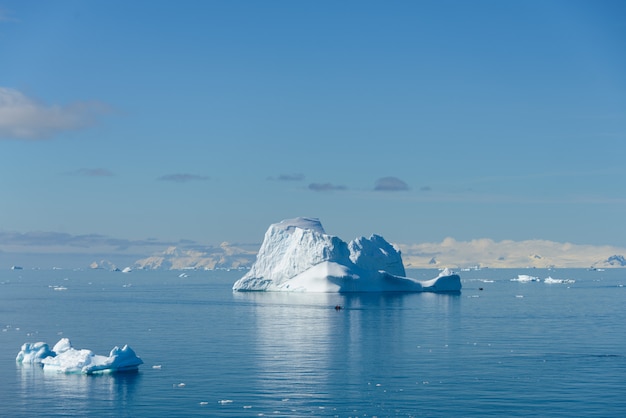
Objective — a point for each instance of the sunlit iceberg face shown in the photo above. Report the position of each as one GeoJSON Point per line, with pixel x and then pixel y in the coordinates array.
{"type": "Point", "coordinates": [64, 358]}
{"type": "Point", "coordinates": [298, 256]}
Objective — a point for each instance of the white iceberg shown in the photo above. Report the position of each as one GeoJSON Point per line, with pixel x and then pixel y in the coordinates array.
{"type": "Point", "coordinates": [525, 278]}
{"type": "Point", "coordinates": [550, 280]}
{"type": "Point", "coordinates": [64, 358]}
{"type": "Point", "coordinates": [298, 256]}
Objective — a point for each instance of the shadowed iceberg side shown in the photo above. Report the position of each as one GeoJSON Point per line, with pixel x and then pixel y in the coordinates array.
{"type": "Point", "coordinates": [298, 256]}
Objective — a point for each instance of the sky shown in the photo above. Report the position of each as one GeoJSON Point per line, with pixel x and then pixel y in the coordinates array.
{"type": "Point", "coordinates": [161, 122]}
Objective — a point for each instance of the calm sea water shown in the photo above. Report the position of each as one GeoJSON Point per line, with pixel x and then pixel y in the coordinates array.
{"type": "Point", "coordinates": [510, 349]}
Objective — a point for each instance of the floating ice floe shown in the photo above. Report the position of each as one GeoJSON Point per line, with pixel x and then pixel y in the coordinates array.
{"type": "Point", "coordinates": [525, 278]}
{"type": "Point", "coordinates": [550, 280]}
{"type": "Point", "coordinates": [64, 358]}
{"type": "Point", "coordinates": [298, 256]}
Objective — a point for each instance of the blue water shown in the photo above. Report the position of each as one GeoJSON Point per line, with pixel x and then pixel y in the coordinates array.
{"type": "Point", "coordinates": [510, 349]}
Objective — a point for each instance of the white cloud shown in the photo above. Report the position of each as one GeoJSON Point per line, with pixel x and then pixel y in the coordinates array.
{"type": "Point", "coordinates": [22, 117]}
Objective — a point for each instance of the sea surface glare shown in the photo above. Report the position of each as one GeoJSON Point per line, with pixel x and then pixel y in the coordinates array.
{"type": "Point", "coordinates": [499, 348]}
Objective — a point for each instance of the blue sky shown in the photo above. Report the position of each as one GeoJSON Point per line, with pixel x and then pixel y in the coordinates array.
{"type": "Point", "coordinates": [417, 120]}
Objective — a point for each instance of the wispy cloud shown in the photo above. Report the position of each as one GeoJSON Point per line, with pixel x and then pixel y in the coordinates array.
{"type": "Point", "coordinates": [390, 184]}
{"type": "Point", "coordinates": [288, 177]}
{"type": "Point", "coordinates": [5, 16]}
{"type": "Point", "coordinates": [182, 178]}
{"type": "Point", "coordinates": [90, 172]}
{"type": "Point", "coordinates": [22, 117]}
{"type": "Point", "coordinates": [325, 187]}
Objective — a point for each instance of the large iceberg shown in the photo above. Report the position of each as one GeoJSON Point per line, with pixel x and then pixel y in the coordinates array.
{"type": "Point", "coordinates": [64, 358]}
{"type": "Point", "coordinates": [298, 256]}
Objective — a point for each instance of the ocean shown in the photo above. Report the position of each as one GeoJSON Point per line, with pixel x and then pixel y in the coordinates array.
{"type": "Point", "coordinates": [499, 348]}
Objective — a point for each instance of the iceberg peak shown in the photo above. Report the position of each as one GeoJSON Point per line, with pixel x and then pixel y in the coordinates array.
{"type": "Point", "coordinates": [313, 224]}
{"type": "Point", "coordinates": [298, 255]}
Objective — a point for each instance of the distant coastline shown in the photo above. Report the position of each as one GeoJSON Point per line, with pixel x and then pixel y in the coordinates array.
{"type": "Point", "coordinates": [458, 255]}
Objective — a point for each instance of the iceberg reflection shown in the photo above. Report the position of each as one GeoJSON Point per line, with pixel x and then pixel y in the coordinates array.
{"type": "Point", "coordinates": [78, 394]}
{"type": "Point", "coordinates": [303, 345]}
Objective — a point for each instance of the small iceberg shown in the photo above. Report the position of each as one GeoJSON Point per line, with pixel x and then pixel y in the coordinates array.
{"type": "Point", "coordinates": [550, 280]}
{"type": "Point", "coordinates": [63, 358]}
{"type": "Point", "coordinates": [524, 278]}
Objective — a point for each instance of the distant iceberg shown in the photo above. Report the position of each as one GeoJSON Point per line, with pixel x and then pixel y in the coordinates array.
{"type": "Point", "coordinates": [550, 280]}
{"type": "Point", "coordinates": [298, 256]}
{"type": "Point", "coordinates": [64, 358]}
{"type": "Point", "coordinates": [524, 278]}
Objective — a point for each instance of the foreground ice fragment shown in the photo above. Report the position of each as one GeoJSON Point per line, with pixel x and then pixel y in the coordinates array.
{"type": "Point", "coordinates": [64, 358]}
{"type": "Point", "coordinates": [298, 256]}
